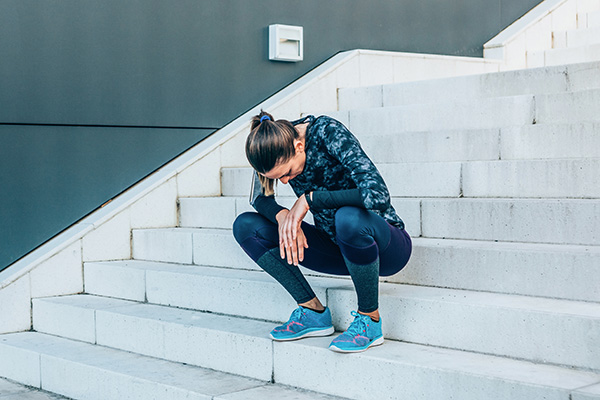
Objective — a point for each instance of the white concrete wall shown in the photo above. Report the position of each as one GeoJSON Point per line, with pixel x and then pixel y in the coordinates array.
{"type": "Point", "coordinates": [526, 43]}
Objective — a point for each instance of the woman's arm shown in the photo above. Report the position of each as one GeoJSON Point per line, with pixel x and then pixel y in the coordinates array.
{"type": "Point", "coordinates": [325, 199]}
{"type": "Point", "coordinates": [267, 207]}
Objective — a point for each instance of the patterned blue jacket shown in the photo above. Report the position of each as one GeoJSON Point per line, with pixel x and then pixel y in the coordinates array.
{"type": "Point", "coordinates": [336, 161]}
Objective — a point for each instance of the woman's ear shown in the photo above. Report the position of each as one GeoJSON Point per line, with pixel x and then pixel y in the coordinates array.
{"type": "Point", "coordinates": [299, 146]}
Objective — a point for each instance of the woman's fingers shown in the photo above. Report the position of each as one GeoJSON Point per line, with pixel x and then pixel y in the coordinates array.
{"type": "Point", "coordinates": [292, 241]}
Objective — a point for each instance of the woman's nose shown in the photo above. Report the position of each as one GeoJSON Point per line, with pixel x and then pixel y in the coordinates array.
{"type": "Point", "coordinates": [284, 180]}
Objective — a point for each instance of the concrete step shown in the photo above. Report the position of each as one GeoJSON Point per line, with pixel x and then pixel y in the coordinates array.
{"type": "Point", "coordinates": [184, 336]}
{"type": "Point", "coordinates": [426, 179]}
{"type": "Point", "coordinates": [589, 393]}
{"type": "Point", "coordinates": [86, 371]}
{"type": "Point", "coordinates": [562, 56]}
{"type": "Point", "coordinates": [588, 5]}
{"type": "Point", "coordinates": [433, 146]}
{"type": "Point", "coordinates": [487, 113]}
{"type": "Point", "coordinates": [576, 38]}
{"type": "Point", "coordinates": [511, 268]}
{"type": "Point", "coordinates": [593, 19]}
{"type": "Point", "coordinates": [570, 178]}
{"type": "Point", "coordinates": [559, 221]}
{"type": "Point", "coordinates": [575, 107]}
{"type": "Point", "coordinates": [194, 212]}
{"type": "Point", "coordinates": [514, 268]}
{"type": "Point", "coordinates": [252, 294]}
{"type": "Point", "coordinates": [540, 330]}
{"type": "Point", "coordinates": [409, 312]}
{"type": "Point", "coordinates": [544, 80]}
{"type": "Point", "coordinates": [10, 390]}
{"type": "Point", "coordinates": [542, 141]}
{"type": "Point", "coordinates": [459, 375]}
{"type": "Point", "coordinates": [560, 178]}
{"type": "Point", "coordinates": [220, 212]}
{"type": "Point", "coordinates": [237, 182]}
{"type": "Point", "coordinates": [90, 372]}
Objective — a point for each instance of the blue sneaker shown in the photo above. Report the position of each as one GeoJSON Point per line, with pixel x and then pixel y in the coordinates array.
{"type": "Point", "coordinates": [304, 322]}
{"type": "Point", "coordinates": [361, 334]}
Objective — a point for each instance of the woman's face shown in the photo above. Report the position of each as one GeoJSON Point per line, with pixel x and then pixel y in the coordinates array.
{"type": "Point", "coordinates": [288, 170]}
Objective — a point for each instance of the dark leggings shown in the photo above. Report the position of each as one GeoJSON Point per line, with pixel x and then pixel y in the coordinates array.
{"type": "Point", "coordinates": [367, 247]}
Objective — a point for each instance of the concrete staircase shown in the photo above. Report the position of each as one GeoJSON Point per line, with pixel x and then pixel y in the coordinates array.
{"type": "Point", "coordinates": [498, 179]}
{"type": "Point", "coordinates": [574, 45]}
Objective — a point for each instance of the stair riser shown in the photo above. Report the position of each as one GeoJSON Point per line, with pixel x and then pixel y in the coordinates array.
{"type": "Point", "coordinates": [195, 209]}
{"type": "Point", "coordinates": [409, 315]}
{"type": "Point", "coordinates": [204, 212]}
{"type": "Point", "coordinates": [582, 37]}
{"type": "Point", "coordinates": [496, 269]}
{"type": "Point", "coordinates": [82, 371]}
{"type": "Point", "coordinates": [528, 271]}
{"type": "Point", "coordinates": [568, 107]}
{"type": "Point", "coordinates": [570, 55]}
{"type": "Point", "coordinates": [427, 179]}
{"type": "Point", "coordinates": [417, 381]}
{"type": "Point", "coordinates": [551, 141]}
{"type": "Point", "coordinates": [500, 179]}
{"type": "Point", "coordinates": [543, 221]}
{"type": "Point", "coordinates": [511, 83]}
{"type": "Point", "coordinates": [116, 327]}
{"type": "Point", "coordinates": [522, 179]}
{"type": "Point", "coordinates": [437, 146]}
{"type": "Point", "coordinates": [593, 19]}
{"type": "Point", "coordinates": [508, 332]}
{"type": "Point", "coordinates": [261, 300]}
{"type": "Point", "coordinates": [483, 114]}
{"type": "Point", "coordinates": [78, 381]}
{"type": "Point", "coordinates": [533, 272]}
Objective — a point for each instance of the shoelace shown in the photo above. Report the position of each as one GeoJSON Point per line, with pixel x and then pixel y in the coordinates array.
{"type": "Point", "coordinates": [358, 326]}
{"type": "Point", "coordinates": [297, 314]}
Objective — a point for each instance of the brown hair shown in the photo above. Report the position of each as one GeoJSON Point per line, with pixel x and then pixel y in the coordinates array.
{"type": "Point", "coordinates": [269, 143]}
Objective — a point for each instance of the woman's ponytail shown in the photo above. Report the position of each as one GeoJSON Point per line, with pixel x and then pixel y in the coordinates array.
{"type": "Point", "coordinates": [269, 143]}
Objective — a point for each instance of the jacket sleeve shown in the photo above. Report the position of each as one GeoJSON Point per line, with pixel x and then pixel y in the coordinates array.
{"type": "Point", "coordinates": [333, 199]}
{"type": "Point", "coordinates": [344, 147]}
{"type": "Point", "coordinates": [264, 205]}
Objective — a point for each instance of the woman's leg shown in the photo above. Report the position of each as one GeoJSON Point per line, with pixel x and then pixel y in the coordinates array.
{"type": "Point", "coordinates": [371, 248]}
{"type": "Point", "coordinates": [259, 238]}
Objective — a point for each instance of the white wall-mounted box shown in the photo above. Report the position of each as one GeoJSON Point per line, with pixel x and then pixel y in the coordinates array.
{"type": "Point", "coordinates": [286, 43]}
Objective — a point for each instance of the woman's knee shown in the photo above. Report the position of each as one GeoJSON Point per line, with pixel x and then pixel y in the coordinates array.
{"type": "Point", "coordinates": [245, 225]}
{"type": "Point", "coordinates": [348, 221]}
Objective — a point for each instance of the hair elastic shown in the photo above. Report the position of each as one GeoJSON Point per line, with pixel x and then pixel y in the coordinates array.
{"type": "Point", "coordinates": [264, 117]}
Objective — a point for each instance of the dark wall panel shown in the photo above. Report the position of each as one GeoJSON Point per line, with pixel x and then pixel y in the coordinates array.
{"type": "Point", "coordinates": [50, 177]}
{"type": "Point", "coordinates": [156, 62]}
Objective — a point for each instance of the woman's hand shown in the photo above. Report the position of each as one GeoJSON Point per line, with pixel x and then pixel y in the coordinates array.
{"type": "Point", "coordinates": [292, 241]}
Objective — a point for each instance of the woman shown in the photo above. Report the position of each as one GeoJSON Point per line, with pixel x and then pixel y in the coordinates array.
{"type": "Point", "coordinates": [357, 232]}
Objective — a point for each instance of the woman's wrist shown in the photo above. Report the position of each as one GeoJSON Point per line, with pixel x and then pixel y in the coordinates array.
{"type": "Point", "coordinates": [281, 214]}
{"type": "Point", "coordinates": [308, 198]}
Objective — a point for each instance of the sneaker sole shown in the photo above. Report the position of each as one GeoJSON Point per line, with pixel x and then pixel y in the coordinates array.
{"type": "Point", "coordinates": [376, 342]}
{"type": "Point", "coordinates": [312, 333]}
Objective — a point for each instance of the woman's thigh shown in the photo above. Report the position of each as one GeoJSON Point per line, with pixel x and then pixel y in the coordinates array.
{"type": "Point", "coordinates": [257, 235]}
